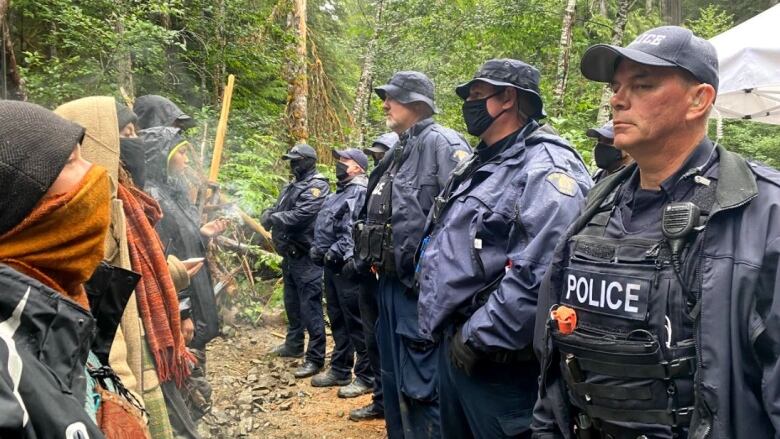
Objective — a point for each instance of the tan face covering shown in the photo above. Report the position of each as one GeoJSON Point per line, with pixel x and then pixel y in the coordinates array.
{"type": "Point", "coordinates": [61, 242]}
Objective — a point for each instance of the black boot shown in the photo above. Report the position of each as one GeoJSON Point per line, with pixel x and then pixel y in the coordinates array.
{"type": "Point", "coordinates": [308, 369]}
{"type": "Point", "coordinates": [366, 413]}
{"type": "Point", "coordinates": [329, 378]}
{"type": "Point", "coordinates": [283, 351]}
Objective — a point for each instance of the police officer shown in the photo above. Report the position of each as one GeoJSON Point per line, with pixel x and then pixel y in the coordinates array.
{"type": "Point", "coordinates": [486, 248]}
{"type": "Point", "coordinates": [659, 317]}
{"type": "Point", "coordinates": [402, 188]}
{"type": "Point", "coordinates": [381, 145]}
{"type": "Point", "coordinates": [608, 158]}
{"type": "Point", "coordinates": [333, 247]}
{"type": "Point", "coordinates": [291, 222]}
{"type": "Point", "coordinates": [369, 311]}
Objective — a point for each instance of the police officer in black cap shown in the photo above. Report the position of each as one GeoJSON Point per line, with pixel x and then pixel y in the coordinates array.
{"type": "Point", "coordinates": [608, 158]}
{"type": "Point", "coordinates": [291, 222]}
{"type": "Point", "coordinates": [486, 248]}
{"type": "Point", "coordinates": [381, 145]}
{"type": "Point", "coordinates": [659, 316]}
{"type": "Point", "coordinates": [401, 193]}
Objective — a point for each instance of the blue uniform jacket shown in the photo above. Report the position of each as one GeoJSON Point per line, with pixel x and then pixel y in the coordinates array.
{"type": "Point", "coordinates": [294, 214]}
{"type": "Point", "coordinates": [333, 228]}
{"type": "Point", "coordinates": [738, 332]}
{"type": "Point", "coordinates": [430, 153]}
{"type": "Point", "coordinates": [504, 218]}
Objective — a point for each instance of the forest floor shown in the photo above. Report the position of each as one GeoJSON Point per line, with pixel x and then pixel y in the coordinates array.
{"type": "Point", "coordinates": [256, 395]}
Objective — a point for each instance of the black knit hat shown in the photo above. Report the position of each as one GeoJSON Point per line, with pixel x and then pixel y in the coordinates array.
{"type": "Point", "coordinates": [35, 145]}
{"type": "Point", "coordinates": [125, 115]}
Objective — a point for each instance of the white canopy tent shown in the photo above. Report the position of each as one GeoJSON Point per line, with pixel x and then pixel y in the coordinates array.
{"type": "Point", "coordinates": [749, 57]}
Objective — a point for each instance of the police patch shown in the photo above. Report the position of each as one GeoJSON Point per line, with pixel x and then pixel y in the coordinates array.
{"type": "Point", "coordinates": [609, 294]}
{"type": "Point", "coordinates": [563, 183]}
{"type": "Point", "coordinates": [460, 155]}
{"type": "Point", "coordinates": [316, 192]}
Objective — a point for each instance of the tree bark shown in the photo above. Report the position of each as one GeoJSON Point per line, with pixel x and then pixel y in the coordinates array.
{"type": "Point", "coordinates": [125, 61]}
{"type": "Point", "coordinates": [673, 12]}
{"type": "Point", "coordinates": [603, 7]}
{"type": "Point", "coordinates": [13, 85]}
{"type": "Point", "coordinates": [564, 55]}
{"type": "Point", "coordinates": [220, 70]}
{"type": "Point", "coordinates": [363, 93]}
{"type": "Point", "coordinates": [648, 6]}
{"type": "Point", "coordinates": [618, 29]}
{"type": "Point", "coordinates": [298, 89]}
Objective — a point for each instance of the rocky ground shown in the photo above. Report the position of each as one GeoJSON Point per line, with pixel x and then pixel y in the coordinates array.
{"type": "Point", "coordinates": [256, 395]}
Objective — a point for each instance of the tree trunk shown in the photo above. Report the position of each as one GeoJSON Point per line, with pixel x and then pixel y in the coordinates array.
{"type": "Point", "coordinates": [220, 70]}
{"type": "Point", "coordinates": [673, 12]}
{"type": "Point", "coordinates": [564, 55]}
{"type": "Point", "coordinates": [618, 29]}
{"type": "Point", "coordinates": [648, 6]}
{"type": "Point", "coordinates": [298, 81]}
{"type": "Point", "coordinates": [125, 61]}
{"type": "Point", "coordinates": [363, 94]}
{"type": "Point", "coordinates": [13, 85]}
{"type": "Point", "coordinates": [603, 7]}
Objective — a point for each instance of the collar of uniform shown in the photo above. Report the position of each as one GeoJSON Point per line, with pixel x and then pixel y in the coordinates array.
{"type": "Point", "coordinates": [307, 176]}
{"type": "Point", "coordinates": [359, 180]}
{"type": "Point", "coordinates": [417, 128]}
{"type": "Point", "coordinates": [485, 152]}
{"type": "Point", "coordinates": [697, 163]}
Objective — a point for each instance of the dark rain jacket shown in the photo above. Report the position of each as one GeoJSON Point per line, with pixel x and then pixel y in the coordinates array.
{"type": "Point", "coordinates": [156, 111]}
{"type": "Point", "coordinates": [429, 154]}
{"type": "Point", "coordinates": [333, 228]}
{"type": "Point", "coordinates": [738, 328]}
{"type": "Point", "coordinates": [503, 214]}
{"type": "Point", "coordinates": [179, 229]}
{"type": "Point", "coordinates": [44, 343]}
{"type": "Point", "coordinates": [295, 212]}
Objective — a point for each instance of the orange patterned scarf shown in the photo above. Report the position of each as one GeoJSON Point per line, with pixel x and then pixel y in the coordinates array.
{"type": "Point", "coordinates": [158, 302]}
{"type": "Point", "coordinates": [61, 241]}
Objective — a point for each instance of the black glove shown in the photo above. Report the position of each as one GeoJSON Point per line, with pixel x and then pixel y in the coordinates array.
{"type": "Point", "coordinates": [333, 261]}
{"type": "Point", "coordinates": [265, 219]}
{"type": "Point", "coordinates": [349, 270]}
{"type": "Point", "coordinates": [316, 256]}
{"type": "Point", "coordinates": [462, 356]}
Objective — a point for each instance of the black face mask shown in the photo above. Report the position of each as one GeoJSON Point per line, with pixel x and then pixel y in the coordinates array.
{"type": "Point", "coordinates": [301, 167]}
{"type": "Point", "coordinates": [341, 171]}
{"type": "Point", "coordinates": [606, 156]}
{"type": "Point", "coordinates": [131, 153]}
{"type": "Point", "coordinates": [477, 117]}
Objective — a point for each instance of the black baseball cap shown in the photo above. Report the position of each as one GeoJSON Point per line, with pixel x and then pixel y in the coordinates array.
{"type": "Point", "coordinates": [300, 151]}
{"type": "Point", "coordinates": [353, 154]}
{"type": "Point", "coordinates": [407, 87]}
{"type": "Point", "coordinates": [665, 46]}
{"type": "Point", "coordinates": [509, 73]}
{"type": "Point", "coordinates": [383, 143]}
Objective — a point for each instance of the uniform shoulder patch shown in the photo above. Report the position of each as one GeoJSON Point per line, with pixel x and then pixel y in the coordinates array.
{"type": "Point", "coordinates": [460, 155]}
{"type": "Point", "coordinates": [316, 192]}
{"type": "Point", "coordinates": [563, 183]}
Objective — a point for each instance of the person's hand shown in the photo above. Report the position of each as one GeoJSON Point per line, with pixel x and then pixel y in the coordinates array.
{"type": "Point", "coordinates": [187, 330]}
{"type": "Point", "coordinates": [265, 219]}
{"type": "Point", "coordinates": [333, 260]}
{"type": "Point", "coordinates": [462, 356]}
{"type": "Point", "coordinates": [214, 228]}
{"type": "Point", "coordinates": [193, 266]}
{"type": "Point", "coordinates": [316, 256]}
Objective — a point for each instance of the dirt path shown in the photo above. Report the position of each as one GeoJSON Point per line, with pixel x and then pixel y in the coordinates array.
{"type": "Point", "coordinates": [256, 396]}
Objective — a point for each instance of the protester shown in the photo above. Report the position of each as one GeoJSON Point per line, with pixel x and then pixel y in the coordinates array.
{"type": "Point", "coordinates": [54, 217]}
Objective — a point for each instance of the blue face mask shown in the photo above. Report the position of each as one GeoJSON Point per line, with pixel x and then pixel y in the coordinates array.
{"type": "Point", "coordinates": [476, 115]}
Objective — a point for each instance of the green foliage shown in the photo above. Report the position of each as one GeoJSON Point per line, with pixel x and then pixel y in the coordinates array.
{"type": "Point", "coordinates": [712, 21]}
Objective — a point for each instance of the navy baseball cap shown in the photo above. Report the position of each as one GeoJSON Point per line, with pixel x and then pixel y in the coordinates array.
{"type": "Point", "coordinates": [354, 154]}
{"type": "Point", "coordinates": [407, 87]}
{"type": "Point", "coordinates": [665, 46]}
{"type": "Point", "coordinates": [605, 131]}
{"type": "Point", "coordinates": [383, 143]}
{"type": "Point", "coordinates": [300, 151]}
{"type": "Point", "coordinates": [508, 73]}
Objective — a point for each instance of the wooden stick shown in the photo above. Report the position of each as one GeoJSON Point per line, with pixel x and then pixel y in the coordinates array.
{"type": "Point", "coordinates": [219, 141]}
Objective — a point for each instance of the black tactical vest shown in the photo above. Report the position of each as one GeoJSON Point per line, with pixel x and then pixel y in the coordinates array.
{"type": "Point", "coordinates": [629, 365]}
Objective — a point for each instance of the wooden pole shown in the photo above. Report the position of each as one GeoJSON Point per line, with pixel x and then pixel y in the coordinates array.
{"type": "Point", "coordinates": [219, 141]}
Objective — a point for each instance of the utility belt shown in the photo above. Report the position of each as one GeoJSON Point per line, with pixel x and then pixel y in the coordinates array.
{"type": "Point", "coordinates": [587, 428]}
{"type": "Point", "coordinates": [374, 245]}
